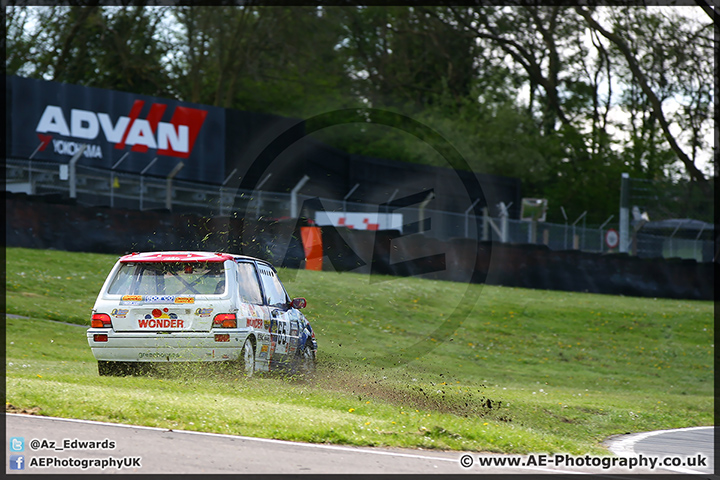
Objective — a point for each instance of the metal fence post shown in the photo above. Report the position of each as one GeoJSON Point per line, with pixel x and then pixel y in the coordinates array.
{"type": "Point", "coordinates": [112, 179]}
{"type": "Point", "coordinates": [562, 209]}
{"type": "Point", "coordinates": [73, 175]}
{"type": "Point", "coordinates": [37, 149]}
{"type": "Point", "coordinates": [467, 214]}
{"type": "Point", "coordinates": [421, 211]}
{"type": "Point", "coordinates": [293, 196]}
{"type": "Point", "coordinates": [222, 191]}
{"type": "Point", "coordinates": [573, 229]}
{"type": "Point", "coordinates": [504, 214]}
{"type": "Point", "coordinates": [142, 180]}
{"type": "Point", "coordinates": [168, 184]}
{"type": "Point", "coordinates": [486, 225]}
{"type": "Point", "coordinates": [348, 196]}
{"type": "Point", "coordinates": [695, 244]}
{"type": "Point", "coordinates": [624, 213]}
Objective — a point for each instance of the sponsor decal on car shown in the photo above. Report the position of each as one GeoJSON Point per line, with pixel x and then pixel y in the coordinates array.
{"type": "Point", "coordinates": [159, 298]}
{"type": "Point", "coordinates": [184, 300]}
{"type": "Point", "coordinates": [158, 355]}
{"type": "Point", "coordinates": [161, 323]}
{"type": "Point", "coordinates": [161, 319]}
{"type": "Point", "coordinates": [255, 322]}
{"type": "Point", "coordinates": [157, 313]}
{"type": "Point", "coordinates": [119, 312]}
{"type": "Point", "coordinates": [132, 298]}
{"type": "Point", "coordinates": [203, 312]}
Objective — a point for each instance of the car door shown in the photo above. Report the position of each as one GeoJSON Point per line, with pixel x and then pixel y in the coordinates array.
{"type": "Point", "coordinates": [252, 311]}
{"type": "Point", "coordinates": [284, 322]}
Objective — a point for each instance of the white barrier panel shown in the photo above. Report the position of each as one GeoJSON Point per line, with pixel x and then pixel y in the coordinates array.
{"type": "Point", "coordinates": [361, 220]}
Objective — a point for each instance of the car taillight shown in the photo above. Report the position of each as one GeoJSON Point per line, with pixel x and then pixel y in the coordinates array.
{"type": "Point", "coordinates": [101, 320]}
{"type": "Point", "coordinates": [100, 337]}
{"type": "Point", "coordinates": [225, 320]}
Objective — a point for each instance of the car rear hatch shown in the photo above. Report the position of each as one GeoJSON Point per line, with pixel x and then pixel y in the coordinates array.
{"type": "Point", "coordinates": [163, 314]}
{"type": "Point", "coordinates": [167, 292]}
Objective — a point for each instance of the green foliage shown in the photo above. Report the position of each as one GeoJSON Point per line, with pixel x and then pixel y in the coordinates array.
{"type": "Point", "coordinates": [403, 57]}
{"type": "Point", "coordinates": [278, 60]}
{"type": "Point", "coordinates": [533, 92]}
{"type": "Point", "coordinates": [111, 47]}
{"type": "Point", "coordinates": [527, 371]}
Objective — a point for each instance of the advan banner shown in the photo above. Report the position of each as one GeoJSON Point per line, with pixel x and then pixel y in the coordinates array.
{"type": "Point", "coordinates": [50, 121]}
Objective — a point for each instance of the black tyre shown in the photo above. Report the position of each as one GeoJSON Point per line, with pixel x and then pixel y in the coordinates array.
{"type": "Point", "coordinates": [306, 360]}
{"type": "Point", "coordinates": [247, 358]}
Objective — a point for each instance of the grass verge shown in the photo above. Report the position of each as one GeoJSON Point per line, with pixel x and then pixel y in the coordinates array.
{"type": "Point", "coordinates": [525, 371]}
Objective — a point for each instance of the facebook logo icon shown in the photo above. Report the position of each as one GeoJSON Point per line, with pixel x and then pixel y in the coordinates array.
{"type": "Point", "coordinates": [17, 462]}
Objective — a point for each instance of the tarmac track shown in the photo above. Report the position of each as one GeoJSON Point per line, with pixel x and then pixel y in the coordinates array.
{"type": "Point", "coordinates": [156, 450]}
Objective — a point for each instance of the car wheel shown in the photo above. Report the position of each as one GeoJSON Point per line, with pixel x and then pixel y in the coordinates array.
{"type": "Point", "coordinates": [307, 359]}
{"type": "Point", "coordinates": [248, 358]}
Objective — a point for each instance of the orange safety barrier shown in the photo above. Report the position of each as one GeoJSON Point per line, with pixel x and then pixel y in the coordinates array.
{"type": "Point", "coordinates": [312, 244]}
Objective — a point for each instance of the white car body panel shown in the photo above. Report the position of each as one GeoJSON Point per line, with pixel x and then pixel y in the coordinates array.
{"type": "Point", "coordinates": [179, 328]}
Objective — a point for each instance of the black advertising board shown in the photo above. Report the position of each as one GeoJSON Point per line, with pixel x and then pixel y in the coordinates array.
{"type": "Point", "coordinates": [50, 121]}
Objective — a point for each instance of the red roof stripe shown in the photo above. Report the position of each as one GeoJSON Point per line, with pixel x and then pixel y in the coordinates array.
{"type": "Point", "coordinates": [176, 257]}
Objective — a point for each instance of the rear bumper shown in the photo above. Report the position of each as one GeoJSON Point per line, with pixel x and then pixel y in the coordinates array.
{"type": "Point", "coordinates": [167, 347]}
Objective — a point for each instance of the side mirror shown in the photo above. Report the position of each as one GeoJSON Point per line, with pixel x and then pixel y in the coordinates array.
{"type": "Point", "coordinates": [299, 303]}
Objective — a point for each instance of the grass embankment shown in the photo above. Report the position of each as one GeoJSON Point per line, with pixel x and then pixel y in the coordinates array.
{"type": "Point", "coordinates": [525, 371]}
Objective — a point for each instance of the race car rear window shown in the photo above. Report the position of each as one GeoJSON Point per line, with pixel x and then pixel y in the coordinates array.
{"type": "Point", "coordinates": [169, 278]}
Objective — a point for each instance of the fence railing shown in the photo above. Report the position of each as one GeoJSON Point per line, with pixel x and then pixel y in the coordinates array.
{"type": "Point", "coordinates": [100, 187]}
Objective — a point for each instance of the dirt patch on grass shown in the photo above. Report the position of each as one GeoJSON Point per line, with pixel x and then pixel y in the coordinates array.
{"type": "Point", "coordinates": [559, 417]}
{"type": "Point", "coordinates": [440, 397]}
{"type": "Point", "coordinates": [10, 408]}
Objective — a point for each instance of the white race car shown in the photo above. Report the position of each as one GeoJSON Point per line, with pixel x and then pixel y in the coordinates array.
{"type": "Point", "coordinates": [198, 306]}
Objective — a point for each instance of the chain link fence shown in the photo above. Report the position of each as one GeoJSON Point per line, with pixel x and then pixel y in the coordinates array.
{"type": "Point", "coordinates": [99, 187]}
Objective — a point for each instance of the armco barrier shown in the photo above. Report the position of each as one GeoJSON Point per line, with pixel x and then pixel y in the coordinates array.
{"type": "Point", "coordinates": [527, 266]}
{"type": "Point", "coordinates": [42, 223]}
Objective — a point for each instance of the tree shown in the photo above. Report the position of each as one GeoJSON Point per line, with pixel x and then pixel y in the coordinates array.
{"type": "Point", "coordinates": [20, 45]}
{"type": "Point", "coordinates": [272, 59]}
{"type": "Point", "coordinates": [570, 83]}
{"type": "Point", "coordinates": [565, 98]}
{"type": "Point", "coordinates": [656, 69]}
{"type": "Point", "coordinates": [401, 57]}
{"type": "Point", "coordinates": [107, 47]}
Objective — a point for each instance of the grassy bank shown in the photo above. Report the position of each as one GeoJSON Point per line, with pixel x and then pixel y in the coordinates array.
{"type": "Point", "coordinates": [522, 371]}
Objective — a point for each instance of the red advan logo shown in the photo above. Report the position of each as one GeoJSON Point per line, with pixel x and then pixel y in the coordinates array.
{"type": "Point", "coordinates": [175, 139]}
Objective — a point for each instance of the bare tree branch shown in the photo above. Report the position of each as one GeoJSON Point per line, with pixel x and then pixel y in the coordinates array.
{"type": "Point", "coordinates": [638, 74]}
